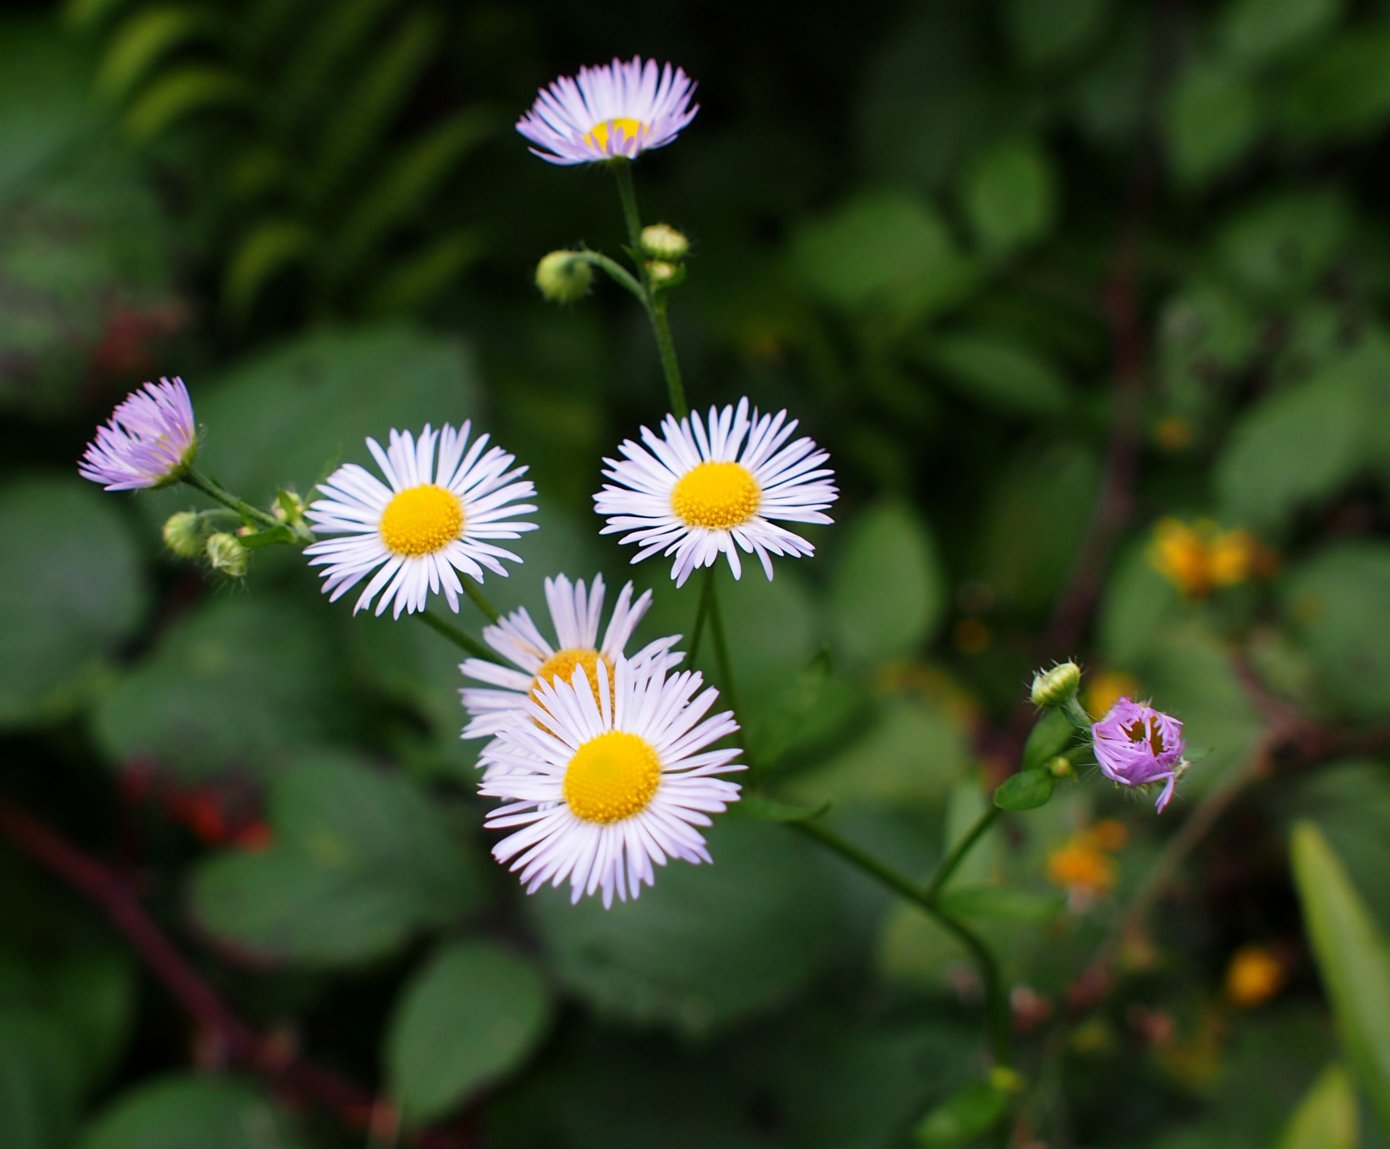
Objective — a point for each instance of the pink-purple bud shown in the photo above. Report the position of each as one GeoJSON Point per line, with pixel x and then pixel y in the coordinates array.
{"type": "Point", "coordinates": [1136, 745]}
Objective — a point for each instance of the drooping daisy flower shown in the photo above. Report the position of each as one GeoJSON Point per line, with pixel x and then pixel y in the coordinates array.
{"type": "Point", "coordinates": [1136, 744]}
{"type": "Point", "coordinates": [424, 525]}
{"type": "Point", "coordinates": [607, 781]}
{"type": "Point", "coordinates": [706, 488]}
{"type": "Point", "coordinates": [575, 611]}
{"type": "Point", "coordinates": [613, 110]}
{"type": "Point", "coordinates": [149, 441]}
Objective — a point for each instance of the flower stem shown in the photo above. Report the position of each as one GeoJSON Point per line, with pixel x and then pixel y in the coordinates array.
{"type": "Point", "coordinates": [654, 302]}
{"type": "Point", "coordinates": [709, 604]}
{"type": "Point", "coordinates": [251, 515]}
{"type": "Point", "coordinates": [457, 636]}
{"type": "Point", "coordinates": [996, 1002]}
{"type": "Point", "coordinates": [701, 614]}
{"type": "Point", "coordinates": [956, 856]}
{"type": "Point", "coordinates": [616, 272]}
{"type": "Point", "coordinates": [470, 588]}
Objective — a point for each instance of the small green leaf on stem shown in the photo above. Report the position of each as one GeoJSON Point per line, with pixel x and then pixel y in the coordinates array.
{"type": "Point", "coordinates": [1026, 790]}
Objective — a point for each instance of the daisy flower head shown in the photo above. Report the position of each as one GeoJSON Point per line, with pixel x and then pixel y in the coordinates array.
{"type": "Point", "coordinates": [1136, 744]}
{"type": "Point", "coordinates": [575, 612]}
{"type": "Point", "coordinates": [149, 441]}
{"type": "Point", "coordinates": [609, 780]}
{"type": "Point", "coordinates": [616, 110]}
{"type": "Point", "coordinates": [429, 521]}
{"type": "Point", "coordinates": [715, 486]}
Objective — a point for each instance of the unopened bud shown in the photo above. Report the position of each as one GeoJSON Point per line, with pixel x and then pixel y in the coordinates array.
{"type": "Point", "coordinates": [227, 554]}
{"type": "Point", "coordinates": [288, 508]}
{"type": "Point", "coordinates": [183, 535]}
{"type": "Point", "coordinates": [1056, 687]}
{"type": "Point", "coordinates": [663, 274]}
{"type": "Point", "coordinates": [1060, 767]}
{"type": "Point", "coordinates": [564, 276]}
{"type": "Point", "coordinates": [662, 241]}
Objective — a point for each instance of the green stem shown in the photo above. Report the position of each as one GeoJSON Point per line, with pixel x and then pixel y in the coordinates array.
{"type": "Point", "coordinates": [470, 588]}
{"type": "Point", "coordinates": [250, 514]}
{"type": "Point", "coordinates": [655, 302]}
{"type": "Point", "coordinates": [701, 614]}
{"type": "Point", "coordinates": [457, 636]}
{"type": "Point", "coordinates": [721, 647]}
{"type": "Point", "coordinates": [956, 856]}
{"type": "Point", "coordinates": [997, 1003]}
{"type": "Point", "coordinates": [616, 272]}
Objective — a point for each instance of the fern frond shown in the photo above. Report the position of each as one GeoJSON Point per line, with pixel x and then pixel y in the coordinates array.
{"type": "Point", "coordinates": [146, 38]}
{"type": "Point", "coordinates": [270, 248]}
{"type": "Point", "coordinates": [178, 95]}
{"type": "Point", "coordinates": [418, 279]}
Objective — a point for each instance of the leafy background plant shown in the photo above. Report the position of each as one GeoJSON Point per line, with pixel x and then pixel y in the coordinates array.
{"type": "Point", "coordinates": [1037, 274]}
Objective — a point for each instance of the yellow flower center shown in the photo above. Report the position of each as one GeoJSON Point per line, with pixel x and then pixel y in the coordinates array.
{"type": "Point", "coordinates": [612, 777]}
{"type": "Point", "coordinates": [625, 125]}
{"type": "Point", "coordinates": [559, 667]}
{"type": "Point", "coordinates": [421, 520]}
{"type": "Point", "coordinates": [717, 496]}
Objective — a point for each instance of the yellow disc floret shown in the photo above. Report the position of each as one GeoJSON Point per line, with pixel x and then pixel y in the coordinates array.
{"type": "Point", "coordinates": [629, 128]}
{"type": "Point", "coordinates": [612, 777]}
{"type": "Point", "coordinates": [717, 496]}
{"type": "Point", "coordinates": [559, 667]}
{"type": "Point", "coordinates": [421, 520]}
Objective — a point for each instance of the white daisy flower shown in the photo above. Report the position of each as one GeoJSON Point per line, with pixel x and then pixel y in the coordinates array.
{"type": "Point", "coordinates": [149, 441]}
{"type": "Point", "coordinates": [613, 110]}
{"type": "Point", "coordinates": [706, 488]}
{"type": "Point", "coordinates": [575, 611]}
{"type": "Point", "coordinates": [424, 524]}
{"type": "Point", "coordinates": [607, 781]}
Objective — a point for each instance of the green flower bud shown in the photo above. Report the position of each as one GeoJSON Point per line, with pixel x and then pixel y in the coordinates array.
{"type": "Point", "coordinates": [564, 276]}
{"type": "Point", "coordinates": [288, 508]}
{"type": "Point", "coordinates": [662, 241]}
{"type": "Point", "coordinates": [183, 534]}
{"type": "Point", "coordinates": [226, 554]}
{"type": "Point", "coordinates": [1060, 767]}
{"type": "Point", "coordinates": [662, 274]}
{"type": "Point", "coordinates": [1056, 687]}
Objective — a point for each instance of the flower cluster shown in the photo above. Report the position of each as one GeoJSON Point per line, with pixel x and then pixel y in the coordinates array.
{"type": "Point", "coordinates": [1201, 558]}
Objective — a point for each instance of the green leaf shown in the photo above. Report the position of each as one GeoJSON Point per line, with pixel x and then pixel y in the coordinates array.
{"type": "Point", "coordinates": [1326, 1117]}
{"type": "Point", "coordinates": [360, 860]}
{"type": "Point", "coordinates": [471, 1016]}
{"type": "Point", "coordinates": [1354, 962]}
{"type": "Point", "coordinates": [1259, 31]}
{"type": "Point", "coordinates": [967, 1114]}
{"type": "Point", "coordinates": [1051, 735]}
{"type": "Point", "coordinates": [416, 279]}
{"type": "Point", "coordinates": [1001, 904]}
{"type": "Point", "coordinates": [1280, 247]}
{"type": "Point", "coordinates": [242, 684]}
{"type": "Point", "coordinates": [270, 248]}
{"type": "Point", "coordinates": [1342, 91]}
{"type": "Point", "coordinates": [884, 251]}
{"type": "Point", "coordinates": [1026, 790]}
{"type": "Point", "coordinates": [1010, 195]}
{"type": "Point", "coordinates": [1338, 607]}
{"type": "Point", "coordinates": [1211, 120]}
{"type": "Point", "coordinates": [187, 1111]}
{"type": "Point", "coordinates": [709, 945]}
{"type": "Point", "coordinates": [182, 93]}
{"type": "Point", "coordinates": [58, 620]}
{"type": "Point", "coordinates": [886, 588]}
{"type": "Point", "coordinates": [147, 37]}
{"type": "Point", "coordinates": [1045, 35]}
{"type": "Point", "coordinates": [998, 371]}
{"type": "Point", "coordinates": [784, 723]}
{"type": "Point", "coordinates": [39, 1077]}
{"type": "Point", "coordinates": [1296, 447]}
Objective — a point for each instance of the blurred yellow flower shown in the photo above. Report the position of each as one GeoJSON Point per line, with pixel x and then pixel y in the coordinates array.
{"type": "Point", "coordinates": [1083, 866]}
{"type": "Point", "coordinates": [1254, 975]}
{"type": "Point", "coordinates": [1201, 557]}
{"type": "Point", "coordinates": [1101, 689]}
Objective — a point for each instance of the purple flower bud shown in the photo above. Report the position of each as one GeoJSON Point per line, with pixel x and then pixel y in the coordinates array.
{"type": "Point", "coordinates": [1136, 744]}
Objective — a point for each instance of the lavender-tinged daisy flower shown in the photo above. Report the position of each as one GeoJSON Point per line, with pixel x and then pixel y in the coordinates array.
{"type": "Point", "coordinates": [575, 612]}
{"type": "Point", "coordinates": [424, 525]}
{"type": "Point", "coordinates": [614, 110]}
{"type": "Point", "coordinates": [149, 440]}
{"type": "Point", "coordinates": [1136, 744]}
{"type": "Point", "coordinates": [608, 780]}
{"type": "Point", "coordinates": [712, 487]}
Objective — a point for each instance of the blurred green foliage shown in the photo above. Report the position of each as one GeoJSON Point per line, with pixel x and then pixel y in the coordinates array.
{"type": "Point", "coordinates": [1006, 262]}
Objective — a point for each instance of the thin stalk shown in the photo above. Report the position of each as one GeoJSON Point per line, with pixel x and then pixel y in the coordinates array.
{"type": "Point", "coordinates": [457, 636]}
{"type": "Point", "coordinates": [721, 646]}
{"type": "Point", "coordinates": [618, 273]}
{"type": "Point", "coordinates": [199, 481]}
{"type": "Point", "coordinates": [470, 588]}
{"type": "Point", "coordinates": [955, 857]}
{"type": "Point", "coordinates": [654, 301]}
{"type": "Point", "coordinates": [701, 614]}
{"type": "Point", "coordinates": [996, 1003]}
